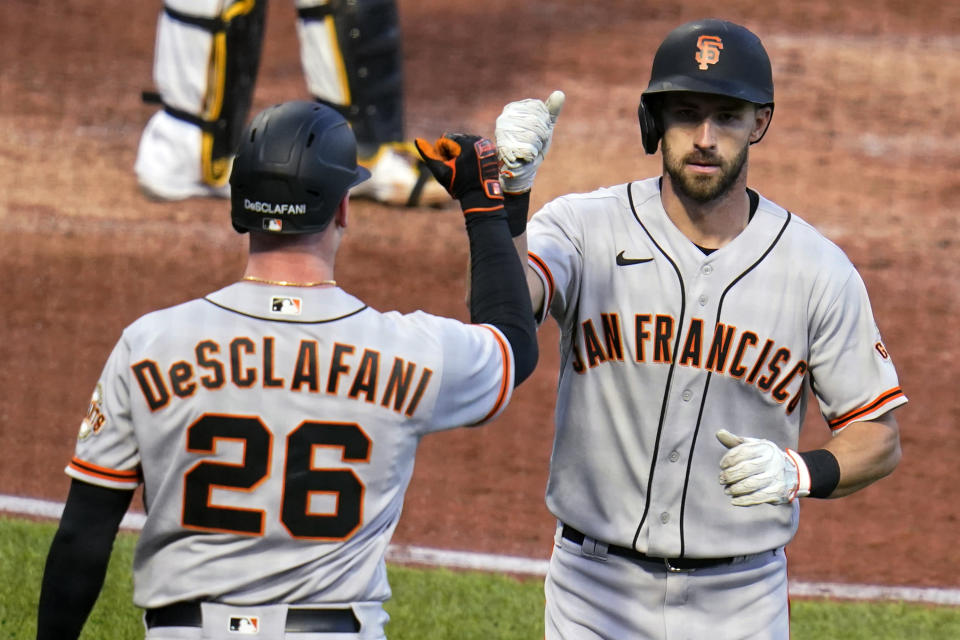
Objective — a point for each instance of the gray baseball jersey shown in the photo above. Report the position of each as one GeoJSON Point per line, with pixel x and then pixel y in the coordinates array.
{"type": "Point", "coordinates": [274, 430]}
{"type": "Point", "coordinates": [662, 345]}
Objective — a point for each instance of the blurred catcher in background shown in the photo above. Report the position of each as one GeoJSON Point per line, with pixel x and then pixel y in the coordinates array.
{"type": "Point", "coordinates": [206, 59]}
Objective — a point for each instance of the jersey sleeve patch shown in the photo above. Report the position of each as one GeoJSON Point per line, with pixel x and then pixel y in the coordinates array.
{"type": "Point", "coordinates": [886, 401]}
{"type": "Point", "coordinates": [95, 420]}
{"type": "Point", "coordinates": [95, 474]}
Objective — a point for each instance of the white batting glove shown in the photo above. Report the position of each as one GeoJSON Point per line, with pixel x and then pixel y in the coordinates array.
{"type": "Point", "coordinates": [757, 471]}
{"type": "Point", "coordinates": [523, 133]}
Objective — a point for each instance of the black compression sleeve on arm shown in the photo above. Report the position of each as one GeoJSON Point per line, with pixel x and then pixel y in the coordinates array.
{"type": "Point", "coordinates": [78, 558]}
{"type": "Point", "coordinates": [824, 472]}
{"type": "Point", "coordinates": [517, 206]}
{"type": "Point", "coordinates": [498, 288]}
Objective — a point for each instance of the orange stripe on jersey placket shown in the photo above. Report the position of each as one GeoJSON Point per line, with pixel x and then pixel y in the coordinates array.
{"type": "Point", "coordinates": [104, 473]}
{"type": "Point", "coordinates": [851, 416]}
{"type": "Point", "coordinates": [504, 379]}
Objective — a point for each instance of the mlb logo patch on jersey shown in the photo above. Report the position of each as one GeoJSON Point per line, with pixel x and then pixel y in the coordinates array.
{"type": "Point", "coordinates": [286, 306]}
{"type": "Point", "coordinates": [272, 224]}
{"type": "Point", "coordinates": [244, 625]}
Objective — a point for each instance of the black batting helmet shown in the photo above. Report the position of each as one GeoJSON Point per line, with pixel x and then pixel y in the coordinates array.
{"type": "Point", "coordinates": [706, 56]}
{"type": "Point", "coordinates": [295, 164]}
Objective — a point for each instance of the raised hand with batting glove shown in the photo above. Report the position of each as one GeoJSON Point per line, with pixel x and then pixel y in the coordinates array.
{"type": "Point", "coordinates": [466, 166]}
{"type": "Point", "coordinates": [524, 131]}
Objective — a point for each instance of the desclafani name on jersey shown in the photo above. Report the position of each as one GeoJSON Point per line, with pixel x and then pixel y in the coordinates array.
{"type": "Point", "coordinates": [742, 356]}
{"type": "Point", "coordinates": [358, 374]}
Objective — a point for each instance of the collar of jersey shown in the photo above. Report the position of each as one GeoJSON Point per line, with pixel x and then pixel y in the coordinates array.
{"type": "Point", "coordinates": [318, 304]}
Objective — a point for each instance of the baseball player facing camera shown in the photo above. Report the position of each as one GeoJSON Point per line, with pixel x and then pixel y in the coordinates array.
{"type": "Point", "coordinates": [273, 423]}
{"type": "Point", "coordinates": [696, 317]}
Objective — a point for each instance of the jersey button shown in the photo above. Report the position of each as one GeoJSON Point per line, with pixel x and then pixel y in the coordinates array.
{"type": "Point", "coordinates": [702, 300]}
{"type": "Point", "coordinates": [686, 395]}
{"type": "Point", "coordinates": [664, 517]}
{"type": "Point", "coordinates": [707, 269]}
{"type": "Point", "coordinates": [674, 456]}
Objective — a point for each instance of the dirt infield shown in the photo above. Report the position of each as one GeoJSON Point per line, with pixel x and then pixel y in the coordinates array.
{"type": "Point", "coordinates": [864, 144]}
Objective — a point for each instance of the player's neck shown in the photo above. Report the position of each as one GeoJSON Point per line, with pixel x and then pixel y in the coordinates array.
{"type": "Point", "coordinates": [304, 261]}
{"type": "Point", "coordinates": [710, 224]}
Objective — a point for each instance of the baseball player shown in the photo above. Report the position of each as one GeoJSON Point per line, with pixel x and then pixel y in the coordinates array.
{"type": "Point", "coordinates": [273, 423]}
{"type": "Point", "coordinates": [696, 317]}
{"type": "Point", "coordinates": [205, 67]}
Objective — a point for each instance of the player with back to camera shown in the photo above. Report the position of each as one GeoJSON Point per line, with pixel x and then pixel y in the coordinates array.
{"type": "Point", "coordinates": [273, 423]}
{"type": "Point", "coordinates": [205, 65]}
{"type": "Point", "coordinates": [696, 316]}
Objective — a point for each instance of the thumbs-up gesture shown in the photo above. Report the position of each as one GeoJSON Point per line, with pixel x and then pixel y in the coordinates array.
{"type": "Point", "coordinates": [523, 131]}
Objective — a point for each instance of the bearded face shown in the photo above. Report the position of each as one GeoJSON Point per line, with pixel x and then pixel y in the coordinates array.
{"type": "Point", "coordinates": [701, 175]}
{"type": "Point", "coordinates": [705, 142]}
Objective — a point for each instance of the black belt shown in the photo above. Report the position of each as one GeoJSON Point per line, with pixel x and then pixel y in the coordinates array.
{"type": "Point", "coordinates": [187, 614]}
{"type": "Point", "coordinates": [672, 564]}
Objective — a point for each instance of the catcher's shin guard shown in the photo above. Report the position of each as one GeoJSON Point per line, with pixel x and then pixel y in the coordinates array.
{"type": "Point", "coordinates": [350, 51]}
{"type": "Point", "coordinates": [205, 68]}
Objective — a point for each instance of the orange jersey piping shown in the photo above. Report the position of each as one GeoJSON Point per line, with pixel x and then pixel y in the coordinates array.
{"type": "Point", "coordinates": [885, 398]}
{"type": "Point", "coordinates": [504, 379]}
{"type": "Point", "coordinates": [541, 266]}
{"type": "Point", "coordinates": [103, 473]}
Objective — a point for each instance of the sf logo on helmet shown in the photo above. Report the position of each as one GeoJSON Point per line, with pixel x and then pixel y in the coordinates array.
{"type": "Point", "coordinates": [708, 50]}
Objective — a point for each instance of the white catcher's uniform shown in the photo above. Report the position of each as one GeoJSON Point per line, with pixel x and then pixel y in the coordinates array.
{"type": "Point", "coordinates": [274, 430]}
{"type": "Point", "coordinates": [662, 346]}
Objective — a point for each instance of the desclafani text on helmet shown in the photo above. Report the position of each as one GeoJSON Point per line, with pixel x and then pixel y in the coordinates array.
{"type": "Point", "coordinates": [294, 179]}
{"type": "Point", "coordinates": [275, 209]}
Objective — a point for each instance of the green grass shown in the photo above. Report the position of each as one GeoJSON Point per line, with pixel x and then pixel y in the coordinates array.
{"type": "Point", "coordinates": [434, 604]}
{"type": "Point", "coordinates": [820, 619]}
{"type": "Point", "coordinates": [23, 551]}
